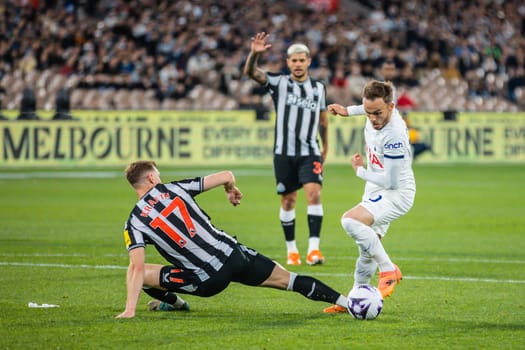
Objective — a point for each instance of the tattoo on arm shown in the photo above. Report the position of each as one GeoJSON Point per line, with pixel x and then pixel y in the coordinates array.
{"type": "Point", "coordinates": [252, 70]}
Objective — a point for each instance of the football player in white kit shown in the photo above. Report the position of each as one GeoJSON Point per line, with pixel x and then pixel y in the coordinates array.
{"type": "Point", "coordinates": [389, 190]}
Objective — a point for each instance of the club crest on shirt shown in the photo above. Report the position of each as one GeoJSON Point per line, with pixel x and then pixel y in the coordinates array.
{"type": "Point", "coordinates": [373, 159]}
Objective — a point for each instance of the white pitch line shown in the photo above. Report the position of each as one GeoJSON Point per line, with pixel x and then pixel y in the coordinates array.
{"type": "Point", "coordinates": [22, 175]}
{"type": "Point", "coordinates": [60, 175]}
{"type": "Point", "coordinates": [348, 275]}
{"type": "Point", "coordinates": [59, 255]}
{"type": "Point", "coordinates": [351, 258]}
{"type": "Point", "coordinates": [466, 260]}
{"type": "Point", "coordinates": [463, 279]}
{"type": "Point", "coordinates": [432, 278]}
{"type": "Point", "coordinates": [69, 266]}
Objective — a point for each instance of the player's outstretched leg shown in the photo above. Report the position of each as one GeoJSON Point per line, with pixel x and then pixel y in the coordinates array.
{"type": "Point", "coordinates": [165, 301]}
{"type": "Point", "coordinates": [314, 289]}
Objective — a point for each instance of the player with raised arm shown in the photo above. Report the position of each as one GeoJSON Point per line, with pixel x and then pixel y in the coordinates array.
{"type": "Point", "coordinates": [203, 260]}
{"type": "Point", "coordinates": [300, 106]}
{"type": "Point", "coordinates": [389, 190]}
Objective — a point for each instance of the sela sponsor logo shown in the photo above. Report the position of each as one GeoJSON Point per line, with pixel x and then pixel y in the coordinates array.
{"type": "Point", "coordinates": [300, 102]}
{"type": "Point", "coordinates": [396, 145]}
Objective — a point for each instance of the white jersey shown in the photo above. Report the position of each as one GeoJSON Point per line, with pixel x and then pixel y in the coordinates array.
{"type": "Point", "coordinates": [389, 157]}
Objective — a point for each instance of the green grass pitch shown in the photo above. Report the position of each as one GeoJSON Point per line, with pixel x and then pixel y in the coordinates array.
{"type": "Point", "coordinates": [461, 249]}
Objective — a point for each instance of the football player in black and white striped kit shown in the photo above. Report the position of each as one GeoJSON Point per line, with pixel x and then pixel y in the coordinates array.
{"type": "Point", "coordinates": [300, 106]}
{"type": "Point", "coordinates": [203, 259]}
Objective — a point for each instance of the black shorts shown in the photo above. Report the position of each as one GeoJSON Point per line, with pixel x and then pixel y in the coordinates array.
{"type": "Point", "coordinates": [244, 266]}
{"type": "Point", "coordinates": [291, 173]}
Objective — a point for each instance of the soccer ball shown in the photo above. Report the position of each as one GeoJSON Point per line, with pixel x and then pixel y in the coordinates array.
{"type": "Point", "coordinates": [364, 302]}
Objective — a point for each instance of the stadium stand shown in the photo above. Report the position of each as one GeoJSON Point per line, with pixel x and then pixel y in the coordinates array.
{"type": "Point", "coordinates": [144, 54]}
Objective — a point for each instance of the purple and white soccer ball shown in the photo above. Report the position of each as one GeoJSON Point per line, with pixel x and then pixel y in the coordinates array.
{"type": "Point", "coordinates": [365, 302]}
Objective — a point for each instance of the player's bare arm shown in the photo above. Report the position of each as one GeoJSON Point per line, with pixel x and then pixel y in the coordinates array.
{"type": "Point", "coordinates": [227, 179]}
{"type": "Point", "coordinates": [259, 45]}
{"type": "Point", "coordinates": [323, 133]}
{"type": "Point", "coordinates": [337, 109]}
{"type": "Point", "coordinates": [134, 281]}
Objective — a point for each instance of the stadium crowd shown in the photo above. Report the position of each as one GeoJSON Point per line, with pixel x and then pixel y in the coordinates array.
{"type": "Point", "coordinates": [171, 52]}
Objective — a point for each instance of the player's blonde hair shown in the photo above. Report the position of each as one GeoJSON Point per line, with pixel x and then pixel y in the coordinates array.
{"type": "Point", "coordinates": [298, 48]}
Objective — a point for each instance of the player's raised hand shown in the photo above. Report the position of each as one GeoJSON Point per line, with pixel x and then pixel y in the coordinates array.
{"type": "Point", "coordinates": [259, 42]}
{"type": "Point", "coordinates": [337, 109]}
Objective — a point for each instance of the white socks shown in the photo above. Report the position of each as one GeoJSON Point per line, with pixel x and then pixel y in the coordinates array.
{"type": "Point", "coordinates": [313, 243]}
{"type": "Point", "coordinates": [372, 254]}
{"type": "Point", "coordinates": [365, 268]}
{"type": "Point", "coordinates": [286, 215]}
{"type": "Point", "coordinates": [291, 247]}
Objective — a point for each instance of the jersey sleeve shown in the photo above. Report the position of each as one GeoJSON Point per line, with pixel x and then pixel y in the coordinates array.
{"type": "Point", "coordinates": [322, 100]}
{"type": "Point", "coordinates": [394, 154]}
{"type": "Point", "coordinates": [388, 179]}
{"type": "Point", "coordinates": [193, 186]}
{"type": "Point", "coordinates": [272, 80]}
{"type": "Point", "coordinates": [356, 110]}
{"type": "Point", "coordinates": [133, 238]}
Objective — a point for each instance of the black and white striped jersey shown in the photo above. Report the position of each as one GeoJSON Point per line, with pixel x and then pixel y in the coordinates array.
{"type": "Point", "coordinates": [169, 218]}
{"type": "Point", "coordinates": [297, 107]}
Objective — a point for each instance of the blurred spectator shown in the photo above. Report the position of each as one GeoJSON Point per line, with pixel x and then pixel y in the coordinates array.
{"type": "Point", "coordinates": [133, 44]}
{"type": "Point", "coordinates": [28, 106]}
{"type": "Point", "coordinates": [405, 103]}
{"type": "Point", "coordinates": [407, 77]}
{"type": "Point", "coordinates": [254, 102]}
{"type": "Point", "coordinates": [2, 117]}
{"type": "Point", "coordinates": [356, 82]}
{"type": "Point", "coordinates": [164, 91]}
{"type": "Point", "coordinates": [28, 62]}
{"type": "Point", "coordinates": [339, 78]}
{"type": "Point", "coordinates": [179, 91]}
{"type": "Point", "coordinates": [261, 111]}
{"type": "Point", "coordinates": [388, 71]}
{"type": "Point", "coordinates": [62, 103]}
{"type": "Point", "coordinates": [418, 145]}
{"type": "Point", "coordinates": [515, 67]}
{"type": "Point", "coordinates": [516, 79]}
{"type": "Point", "coordinates": [451, 70]}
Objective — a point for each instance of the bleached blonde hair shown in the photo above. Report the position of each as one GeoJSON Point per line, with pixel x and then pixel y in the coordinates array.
{"type": "Point", "coordinates": [298, 48]}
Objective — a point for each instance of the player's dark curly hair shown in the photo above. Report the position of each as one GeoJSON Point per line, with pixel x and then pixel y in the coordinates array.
{"type": "Point", "coordinates": [378, 89]}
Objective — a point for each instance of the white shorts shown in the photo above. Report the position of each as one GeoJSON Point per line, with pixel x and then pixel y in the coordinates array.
{"type": "Point", "coordinates": [386, 206]}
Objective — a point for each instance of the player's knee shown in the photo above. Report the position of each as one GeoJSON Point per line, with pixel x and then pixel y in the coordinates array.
{"type": "Point", "coordinates": [352, 228]}
{"type": "Point", "coordinates": [313, 196]}
{"type": "Point", "coordinates": [280, 278]}
{"type": "Point", "coordinates": [288, 202]}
